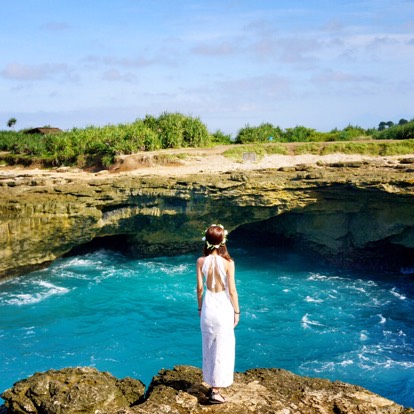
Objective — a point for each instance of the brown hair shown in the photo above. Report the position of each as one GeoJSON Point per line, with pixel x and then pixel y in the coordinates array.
{"type": "Point", "coordinates": [215, 236]}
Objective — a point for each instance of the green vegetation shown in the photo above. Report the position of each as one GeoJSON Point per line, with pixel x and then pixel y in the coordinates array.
{"type": "Point", "coordinates": [11, 122]}
{"type": "Point", "coordinates": [372, 148]}
{"type": "Point", "coordinates": [236, 152]}
{"type": "Point", "coordinates": [269, 133]}
{"type": "Point", "coordinates": [98, 147]}
{"type": "Point", "coordinates": [219, 137]}
{"type": "Point", "coordinates": [404, 130]}
{"type": "Point", "coordinates": [262, 133]}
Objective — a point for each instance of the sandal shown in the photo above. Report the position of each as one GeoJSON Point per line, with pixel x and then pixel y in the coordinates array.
{"type": "Point", "coordinates": [215, 398]}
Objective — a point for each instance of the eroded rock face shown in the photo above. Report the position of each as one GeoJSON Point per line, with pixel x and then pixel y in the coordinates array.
{"type": "Point", "coordinates": [72, 391]}
{"type": "Point", "coordinates": [335, 209]}
{"type": "Point", "coordinates": [264, 391]}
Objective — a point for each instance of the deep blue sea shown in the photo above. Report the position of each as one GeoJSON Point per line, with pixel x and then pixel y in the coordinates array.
{"type": "Point", "coordinates": [135, 317]}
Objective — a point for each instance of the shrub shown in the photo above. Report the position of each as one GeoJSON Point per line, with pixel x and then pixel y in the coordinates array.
{"type": "Point", "coordinates": [400, 131]}
{"type": "Point", "coordinates": [195, 133]}
{"type": "Point", "coordinates": [236, 153]}
{"type": "Point", "coordinates": [219, 137]}
{"type": "Point", "coordinates": [176, 130]}
{"type": "Point", "coordinates": [263, 133]}
{"type": "Point", "coordinates": [299, 134]}
{"type": "Point", "coordinates": [308, 148]}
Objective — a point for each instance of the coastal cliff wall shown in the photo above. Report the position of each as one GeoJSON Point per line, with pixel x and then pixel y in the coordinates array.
{"type": "Point", "coordinates": [339, 210]}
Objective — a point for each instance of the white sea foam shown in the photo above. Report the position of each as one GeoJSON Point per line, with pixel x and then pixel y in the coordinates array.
{"type": "Point", "coordinates": [174, 270]}
{"type": "Point", "coordinates": [394, 292]}
{"type": "Point", "coordinates": [382, 319]}
{"type": "Point", "coordinates": [313, 300]}
{"type": "Point", "coordinates": [317, 276]}
{"type": "Point", "coordinates": [31, 298]}
{"type": "Point", "coordinates": [358, 289]}
{"type": "Point", "coordinates": [323, 278]}
{"type": "Point", "coordinates": [379, 302]}
{"type": "Point", "coordinates": [306, 322]}
{"type": "Point", "coordinates": [169, 269]}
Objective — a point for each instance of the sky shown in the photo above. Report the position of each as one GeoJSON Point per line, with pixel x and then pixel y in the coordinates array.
{"type": "Point", "coordinates": [323, 64]}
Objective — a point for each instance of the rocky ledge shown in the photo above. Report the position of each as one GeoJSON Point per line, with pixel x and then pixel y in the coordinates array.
{"type": "Point", "coordinates": [180, 391]}
{"type": "Point", "coordinates": [350, 212]}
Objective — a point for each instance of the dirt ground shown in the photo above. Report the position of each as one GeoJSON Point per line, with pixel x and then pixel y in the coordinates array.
{"type": "Point", "coordinates": [190, 161]}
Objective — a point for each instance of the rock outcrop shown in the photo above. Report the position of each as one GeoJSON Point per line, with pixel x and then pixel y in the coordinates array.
{"type": "Point", "coordinates": [340, 210]}
{"type": "Point", "coordinates": [72, 391]}
{"type": "Point", "coordinates": [257, 391]}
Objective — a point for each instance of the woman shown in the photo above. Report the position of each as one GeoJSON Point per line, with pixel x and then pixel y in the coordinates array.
{"type": "Point", "coordinates": [219, 311]}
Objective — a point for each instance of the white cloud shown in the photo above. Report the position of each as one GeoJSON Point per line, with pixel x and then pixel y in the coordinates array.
{"type": "Point", "coordinates": [55, 26]}
{"type": "Point", "coordinates": [24, 72]}
{"type": "Point", "coordinates": [115, 75]}
{"type": "Point", "coordinates": [225, 48]}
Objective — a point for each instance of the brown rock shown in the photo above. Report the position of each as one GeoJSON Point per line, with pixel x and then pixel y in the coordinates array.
{"type": "Point", "coordinates": [181, 391]}
{"type": "Point", "coordinates": [44, 216]}
{"type": "Point", "coordinates": [72, 391]}
{"type": "Point", "coordinates": [263, 391]}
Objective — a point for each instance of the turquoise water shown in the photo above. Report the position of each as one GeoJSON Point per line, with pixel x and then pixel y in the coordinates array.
{"type": "Point", "coordinates": [134, 317]}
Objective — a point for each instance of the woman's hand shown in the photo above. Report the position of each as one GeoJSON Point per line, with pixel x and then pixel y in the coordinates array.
{"type": "Point", "coordinates": [236, 319]}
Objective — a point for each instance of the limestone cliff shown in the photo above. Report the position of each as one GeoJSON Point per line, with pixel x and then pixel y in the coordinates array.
{"type": "Point", "coordinates": [181, 390]}
{"type": "Point", "coordinates": [339, 210]}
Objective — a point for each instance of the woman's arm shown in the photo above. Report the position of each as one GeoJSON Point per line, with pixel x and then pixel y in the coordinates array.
{"type": "Point", "coordinates": [200, 284]}
{"type": "Point", "coordinates": [233, 291]}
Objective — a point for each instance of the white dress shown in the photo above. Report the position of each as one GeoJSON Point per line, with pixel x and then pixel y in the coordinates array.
{"type": "Point", "coordinates": [217, 328]}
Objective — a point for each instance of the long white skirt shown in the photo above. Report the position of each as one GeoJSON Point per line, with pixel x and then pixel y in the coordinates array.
{"type": "Point", "coordinates": [217, 329]}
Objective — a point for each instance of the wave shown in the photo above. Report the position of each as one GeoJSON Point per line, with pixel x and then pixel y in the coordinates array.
{"type": "Point", "coordinates": [309, 299]}
{"type": "Point", "coordinates": [319, 277]}
{"type": "Point", "coordinates": [49, 290]}
{"type": "Point", "coordinates": [325, 366]}
{"type": "Point", "coordinates": [306, 322]}
{"type": "Point", "coordinates": [382, 319]}
{"type": "Point", "coordinates": [394, 292]}
{"type": "Point", "coordinates": [172, 270]}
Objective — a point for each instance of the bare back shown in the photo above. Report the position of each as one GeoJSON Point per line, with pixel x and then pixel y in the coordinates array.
{"type": "Point", "coordinates": [215, 272]}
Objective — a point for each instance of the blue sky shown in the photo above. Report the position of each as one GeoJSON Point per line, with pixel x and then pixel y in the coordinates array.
{"type": "Point", "coordinates": [318, 63]}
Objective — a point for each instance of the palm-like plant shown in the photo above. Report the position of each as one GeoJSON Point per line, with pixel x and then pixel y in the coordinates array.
{"type": "Point", "coordinates": [11, 122]}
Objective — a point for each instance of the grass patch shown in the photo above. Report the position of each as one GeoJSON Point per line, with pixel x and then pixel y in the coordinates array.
{"type": "Point", "coordinates": [373, 148]}
{"type": "Point", "coordinates": [236, 152]}
{"type": "Point", "coordinates": [398, 148]}
{"type": "Point", "coordinates": [363, 148]}
{"type": "Point", "coordinates": [169, 159]}
{"type": "Point", "coordinates": [312, 148]}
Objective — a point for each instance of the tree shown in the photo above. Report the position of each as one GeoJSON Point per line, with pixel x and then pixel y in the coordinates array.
{"type": "Point", "coordinates": [402, 121]}
{"type": "Point", "coordinates": [11, 122]}
{"type": "Point", "coordinates": [385, 125]}
{"type": "Point", "coordinates": [382, 126]}
{"type": "Point", "coordinates": [299, 134]}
